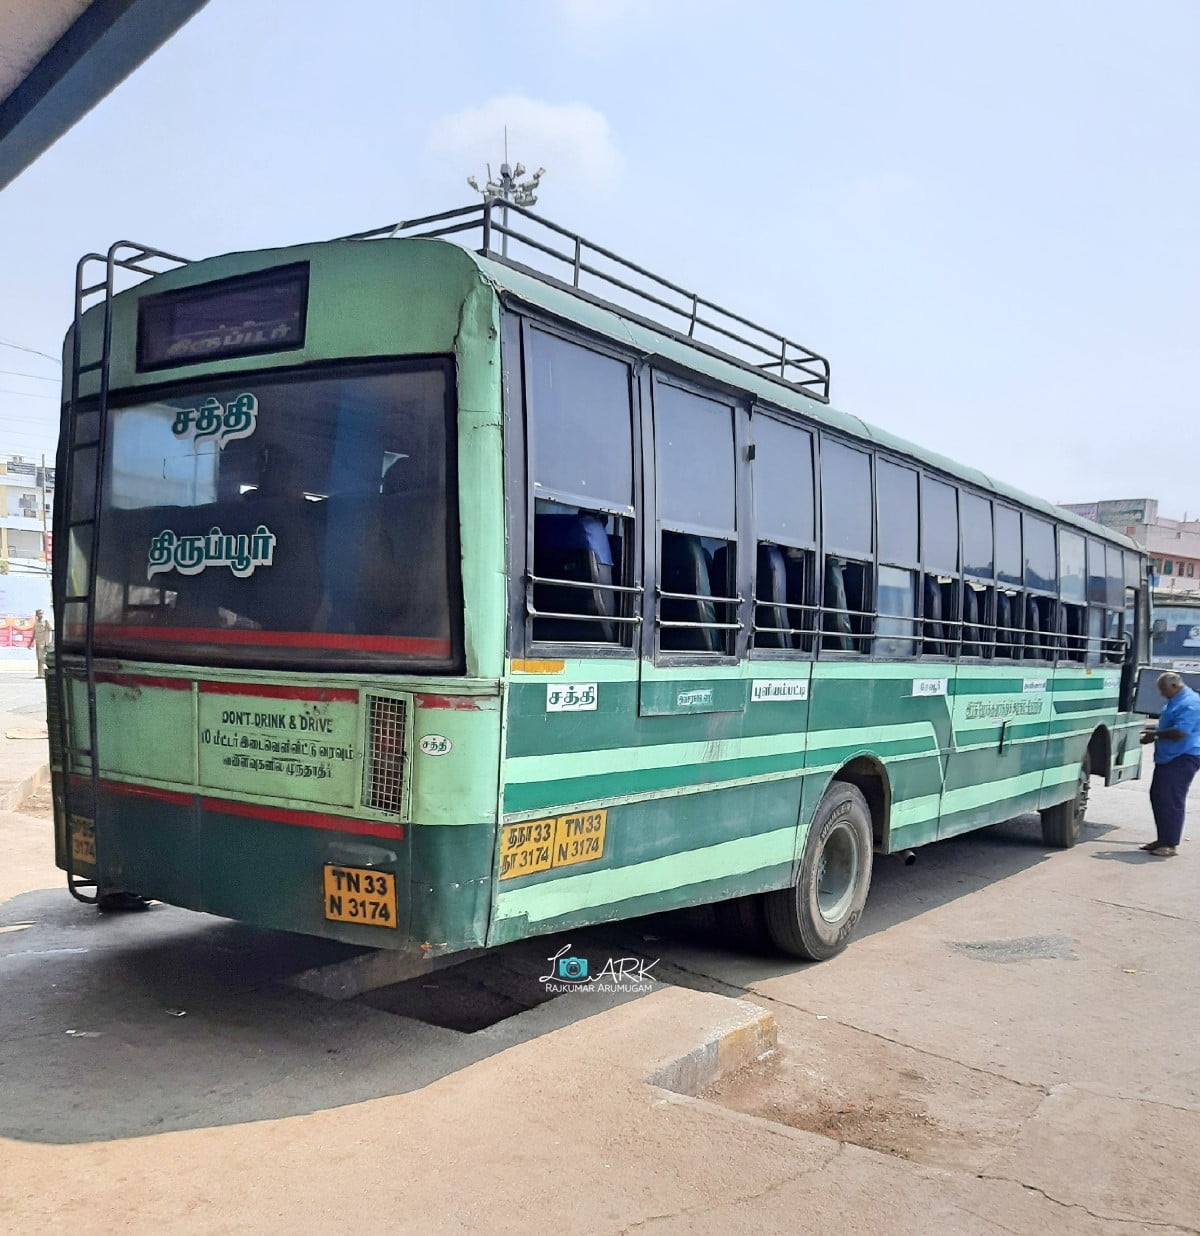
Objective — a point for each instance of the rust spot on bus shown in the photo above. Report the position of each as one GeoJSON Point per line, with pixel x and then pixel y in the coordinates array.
{"type": "Point", "coordinates": [457, 703]}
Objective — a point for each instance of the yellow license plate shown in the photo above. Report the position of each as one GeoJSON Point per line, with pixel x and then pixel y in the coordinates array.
{"type": "Point", "coordinates": [359, 895]}
{"type": "Point", "coordinates": [538, 845]}
{"type": "Point", "coordinates": [83, 840]}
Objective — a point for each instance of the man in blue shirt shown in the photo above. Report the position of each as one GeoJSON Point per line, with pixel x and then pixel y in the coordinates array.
{"type": "Point", "coordinates": [1176, 759]}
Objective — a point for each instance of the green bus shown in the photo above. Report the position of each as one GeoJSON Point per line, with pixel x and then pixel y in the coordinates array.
{"type": "Point", "coordinates": [427, 596]}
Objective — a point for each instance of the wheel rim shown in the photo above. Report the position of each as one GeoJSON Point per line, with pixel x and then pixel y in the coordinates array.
{"type": "Point", "coordinates": [837, 873]}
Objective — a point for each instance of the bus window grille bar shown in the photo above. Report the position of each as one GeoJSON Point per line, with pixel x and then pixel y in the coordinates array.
{"type": "Point", "coordinates": [767, 351]}
{"type": "Point", "coordinates": [622, 620]}
{"type": "Point", "coordinates": [586, 585]}
{"type": "Point", "coordinates": [699, 626]}
{"type": "Point", "coordinates": [698, 596]}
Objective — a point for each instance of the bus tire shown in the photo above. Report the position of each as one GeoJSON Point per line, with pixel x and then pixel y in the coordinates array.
{"type": "Point", "coordinates": [815, 917]}
{"type": "Point", "coordinates": [1062, 824]}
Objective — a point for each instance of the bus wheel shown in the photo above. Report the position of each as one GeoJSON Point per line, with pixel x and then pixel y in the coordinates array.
{"type": "Point", "coordinates": [816, 917]}
{"type": "Point", "coordinates": [1062, 824]}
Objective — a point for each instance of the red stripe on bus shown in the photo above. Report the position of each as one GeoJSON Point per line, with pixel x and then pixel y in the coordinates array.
{"type": "Point", "coordinates": [142, 791]}
{"type": "Point", "coordinates": [279, 639]}
{"type": "Point", "coordinates": [281, 815]}
{"type": "Point", "coordinates": [459, 703]}
{"type": "Point", "coordinates": [278, 691]}
{"type": "Point", "coordinates": [140, 680]}
{"type": "Point", "coordinates": [304, 819]}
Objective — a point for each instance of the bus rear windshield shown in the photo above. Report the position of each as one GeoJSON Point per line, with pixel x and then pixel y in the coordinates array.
{"type": "Point", "coordinates": [277, 520]}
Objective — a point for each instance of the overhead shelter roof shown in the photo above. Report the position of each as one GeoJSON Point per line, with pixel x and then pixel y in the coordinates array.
{"type": "Point", "coordinates": [59, 58]}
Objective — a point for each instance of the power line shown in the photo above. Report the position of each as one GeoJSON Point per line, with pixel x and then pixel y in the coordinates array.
{"type": "Point", "coordinates": [26, 394]}
{"type": "Point", "coordinates": [20, 347]}
{"type": "Point", "coordinates": [16, 373]}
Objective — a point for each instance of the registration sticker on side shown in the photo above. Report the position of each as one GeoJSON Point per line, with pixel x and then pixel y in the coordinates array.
{"type": "Point", "coordinates": [539, 845]}
{"type": "Point", "coordinates": [359, 895]}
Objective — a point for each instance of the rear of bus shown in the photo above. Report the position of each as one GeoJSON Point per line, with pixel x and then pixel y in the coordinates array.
{"type": "Point", "coordinates": [299, 599]}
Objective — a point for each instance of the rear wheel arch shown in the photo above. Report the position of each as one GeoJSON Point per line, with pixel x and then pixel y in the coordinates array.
{"type": "Point", "coordinates": [868, 774]}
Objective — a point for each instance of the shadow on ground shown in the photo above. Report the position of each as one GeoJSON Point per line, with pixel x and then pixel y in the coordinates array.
{"type": "Point", "coordinates": [127, 1026]}
{"type": "Point", "coordinates": [132, 1025]}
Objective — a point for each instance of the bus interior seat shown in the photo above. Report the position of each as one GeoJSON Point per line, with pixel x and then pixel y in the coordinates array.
{"type": "Point", "coordinates": [1005, 636]}
{"type": "Point", "coordinates": [1033, 629]}
{"type": "Point", "coordinates": [971, 646]}
{"type": "Point", "coordinates": [839, 631]}
{"type": "Point", "coordinates": [771, 586]}
{"type": "Point", "coordinates": [687, 568]}
{"type": "Point", "coordinates": [577, 548]}
{"type": "Point", "coordinates": [932, 631]}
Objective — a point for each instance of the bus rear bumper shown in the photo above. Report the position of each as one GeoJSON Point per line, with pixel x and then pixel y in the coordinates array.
{"type": "Point", "coordinates": [274, 868]}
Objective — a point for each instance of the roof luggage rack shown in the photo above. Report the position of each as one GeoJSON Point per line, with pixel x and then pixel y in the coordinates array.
{"type": "Point", "coordinates": [687, 315]}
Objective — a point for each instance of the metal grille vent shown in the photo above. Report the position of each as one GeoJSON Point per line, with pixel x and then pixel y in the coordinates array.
{"type": "Point", "coordinates": [384, 788]}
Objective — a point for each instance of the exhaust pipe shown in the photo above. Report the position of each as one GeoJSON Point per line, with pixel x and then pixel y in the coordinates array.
{"type": "Point", "coordinates": [909, 857]}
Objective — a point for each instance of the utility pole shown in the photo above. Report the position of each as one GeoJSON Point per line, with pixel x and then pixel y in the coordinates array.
{"type": "Point", "coordinates": [42, 475]}
{"type": "Point", "coordinates": [509, 188]}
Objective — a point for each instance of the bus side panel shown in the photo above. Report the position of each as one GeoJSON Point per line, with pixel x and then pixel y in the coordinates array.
{"type": "Point", "coordinates": [692, 808]}
{"type": "Point", "coordinates": [662, 854]}
{"type": "Point", "coordinates": [995, 771]}
{"type": "Point", "coordinates": [904, 724]}
{"type": "Point", "coordinates": [150, 839]}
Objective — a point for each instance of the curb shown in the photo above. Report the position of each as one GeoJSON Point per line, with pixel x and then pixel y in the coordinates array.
{"type": "Point", "coordinates": [12, 798]}
{"type": "Point", "coordinates": [748, 1035]}
{"type": "Point", "coordinates": [369, 970]}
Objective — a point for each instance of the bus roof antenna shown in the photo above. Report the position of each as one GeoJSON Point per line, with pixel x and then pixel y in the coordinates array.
{"type": "Point", "coordinates": [509, 188]}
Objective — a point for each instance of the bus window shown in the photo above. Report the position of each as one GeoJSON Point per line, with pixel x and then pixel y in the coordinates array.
{"type": "Point", "coordinates": [897, 534]}
{"type": "Point", "coordinates": [849, 547]}
{"type": "Point", "coordinates": [580, 443]}
{"type": "Point", "coordinates": [1041, 576]}
{"type": "Point", "coordinates": [785, 528]}
{"type": "Point", "coordinates": [250, 513]}
{"type": "Point", "coordinates": [1074, 629]}
{"type": "Point", "coordinates": [940, 628]}
{"type": "Point", "coordinates": [978, 554]}
{"type": "Point", "coordinates": [694, 469]}
{"type": "Point", "coordinates": [896, 622]}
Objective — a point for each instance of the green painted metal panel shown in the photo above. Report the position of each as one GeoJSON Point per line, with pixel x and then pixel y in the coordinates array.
{"type": "Point", "coordinates": [145, 729]}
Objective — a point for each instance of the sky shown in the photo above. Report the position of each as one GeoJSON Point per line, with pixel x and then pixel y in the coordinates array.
{"type": "Point", "coordinates": [986, 216]}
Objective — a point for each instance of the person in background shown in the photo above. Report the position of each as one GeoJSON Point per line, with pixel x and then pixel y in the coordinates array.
{"type": "Point", "coordinates": [1176, 742]}
{"type": "Point", "coordinates": [43, 638]}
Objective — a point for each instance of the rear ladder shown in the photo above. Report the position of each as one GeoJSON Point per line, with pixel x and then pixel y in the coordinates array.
{"type": "Point", "coordinates": [80, 517]}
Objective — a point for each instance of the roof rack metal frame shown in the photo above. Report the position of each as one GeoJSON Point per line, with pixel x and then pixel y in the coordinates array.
{"type": "Point", "coordinates": [764, 351]}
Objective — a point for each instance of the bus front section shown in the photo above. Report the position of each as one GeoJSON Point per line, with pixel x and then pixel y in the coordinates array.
{"type": "Point", "coordinates": [275, 608]}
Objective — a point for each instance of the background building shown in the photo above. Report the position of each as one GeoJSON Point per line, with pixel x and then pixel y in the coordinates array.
{"type": "Point", "coordinates": [1173, 544]}
{"type": "Point", "coordinates": [26, 502]}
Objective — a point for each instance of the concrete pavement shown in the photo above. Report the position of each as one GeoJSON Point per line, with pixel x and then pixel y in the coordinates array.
{"type": "Point", "coordinates": [1007, 1047]}
{"type": "Point", "coordinates": [24, 750]}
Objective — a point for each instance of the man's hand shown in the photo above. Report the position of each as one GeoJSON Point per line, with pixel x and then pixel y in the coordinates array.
{"type": "Point", "coordinates": [1148, 736]}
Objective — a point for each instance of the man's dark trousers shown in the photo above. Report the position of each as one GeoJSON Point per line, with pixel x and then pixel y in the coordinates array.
{"type": "Point", "coordinates": [1168, 795]}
